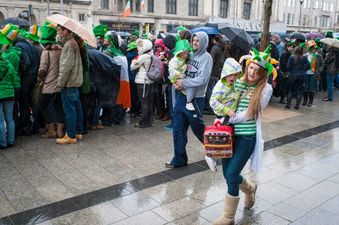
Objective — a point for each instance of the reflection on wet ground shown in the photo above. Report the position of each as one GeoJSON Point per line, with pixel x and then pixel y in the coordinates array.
{"type": "Point", "coordinates": [117, 176]}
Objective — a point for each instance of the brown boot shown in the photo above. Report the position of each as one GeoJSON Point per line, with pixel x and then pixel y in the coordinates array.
{"type": "Point", "coordinates": [50, 131]}
{"type": "Point", "coordinates": [60, 130]}
{"type": "Point", "coordinates": [230, 208]}
{"type": "Point", "coordinates": [66, 140]}
{"type": "Point", "coordinates": [249, 189]}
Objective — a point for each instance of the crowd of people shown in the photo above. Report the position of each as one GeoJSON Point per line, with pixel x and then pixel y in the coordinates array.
{"type": "Point", "coordinates": [53, 80]}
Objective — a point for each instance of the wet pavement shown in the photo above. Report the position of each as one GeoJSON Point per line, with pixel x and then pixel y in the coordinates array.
{"type": "Point", "coordinates": [117, 176]}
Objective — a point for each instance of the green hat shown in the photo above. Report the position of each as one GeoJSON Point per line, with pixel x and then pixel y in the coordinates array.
{"type": "Point", "coordinates": [329, 34]}
{"type": "Point", "coordinates": [181, 28]}
{"type": "Point", "coordinates": [48, 34]}
{"type": "Point", "coordinates": [263, 59]}
{"type": "Point", "coordinates": [132, 45]}
{"type": "Point", "coordinates": [136, 33]}
{"type": "Point", "coordinates": [181, 46]}
{"type": "Point", "coordinates": [33, 33]}
{"type": "Point", "coordinates": [100, 31]}
{"type": "Point", "coordinates": [8, 34]}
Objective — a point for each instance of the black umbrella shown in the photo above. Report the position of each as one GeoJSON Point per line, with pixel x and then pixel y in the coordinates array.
{"type": "Point", "coordinates": [237, 36]}
{"type": "Point", "coordinates": [22, 23]}
{"type": "Point", "coordinates": [297, 36]}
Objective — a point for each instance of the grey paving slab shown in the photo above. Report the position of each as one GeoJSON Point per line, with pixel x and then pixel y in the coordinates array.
{"type": "Point", "coordinates": [178, 209]}
{"type": "Point", "coordinates": [275, 192]}
{"type": "Point", "coordinates": [315, 173]}
{"type": "Point", "coordinates": [296, 181]}
{"type": "Point", "coordinates": [319, 217]}
{"type": "Point", "coordinates": [264, 218]}
{"type": "Point", "coordinates": [149, 218]}
{"type": "Point", "coordinates": [335, 178]}
{"type": "Point", "coordinates": [44, 182]}
{"type": "Point", "coordinates": [135, 204]}
{"type": "Point", "coordinates": [306, 200]}
{"type": "Point", "coordinates": [287, 212]}
{"type": "Point", "coordinates": [5, 206]}
{"type": "Point", "coordinates": [331, 205]}
{"type": "Point", "coordinates": [191, 219]}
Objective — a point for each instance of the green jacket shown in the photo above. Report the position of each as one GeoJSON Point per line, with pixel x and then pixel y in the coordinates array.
{"type": "Point", "coordinates": [12, 54]}
{"type": "Point", "coordinates": [8, 79]}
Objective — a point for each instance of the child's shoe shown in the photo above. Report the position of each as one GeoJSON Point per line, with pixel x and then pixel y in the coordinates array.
{"type": "Point", "coordinates": [212, 163]}
{"type": "Point", "coordinates": [190, 106]}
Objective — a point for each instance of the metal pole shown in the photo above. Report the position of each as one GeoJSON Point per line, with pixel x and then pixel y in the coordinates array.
{"type": "Point", "coordinates": [48, 8]}
{"type": "Point", "coordinates": [62, 6]}
{"type": "Point", "coordinates": [212, 10]}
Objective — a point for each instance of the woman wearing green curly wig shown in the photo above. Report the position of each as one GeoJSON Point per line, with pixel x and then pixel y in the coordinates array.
{"type": "Point", "coordinates": [255, 94]}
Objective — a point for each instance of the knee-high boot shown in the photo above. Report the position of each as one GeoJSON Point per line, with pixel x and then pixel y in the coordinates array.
{"type": "Point", "coordinates": [230, 208]}
{"type": "Point", "coordinates": [249, 189]}
{"type": "Point", "coordinates": [305, 98]}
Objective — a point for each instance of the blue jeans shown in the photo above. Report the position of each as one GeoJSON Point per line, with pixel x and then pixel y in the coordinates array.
{"type": "Point", "coordinates": [182, 119]}
{"type": "Point", "coordinates": [330, 84]}
{"type": "Point", "coordinates": [73, 111]}
{"type": "Point", "coordinates": [232, 167]}
{"type": "Point", "coordinates": [6, 115]}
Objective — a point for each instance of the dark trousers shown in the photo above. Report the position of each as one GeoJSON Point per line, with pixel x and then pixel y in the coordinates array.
{"type": "Point", "coordinates": [136, 106]}
{"type": "Point", "coordinates": [182, 119]}
{"type": "Point", "coordinates": [50, 106]}
{"type": "Point", "coordinates": [146, 98]}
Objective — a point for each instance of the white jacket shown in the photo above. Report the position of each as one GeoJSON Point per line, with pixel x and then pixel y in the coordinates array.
{"type": "Point", "coordinates": [256, 158]}
{"type": "Point", "coordinates": [143, 62]}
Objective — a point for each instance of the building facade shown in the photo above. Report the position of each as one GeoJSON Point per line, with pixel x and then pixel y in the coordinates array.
{"type": "Point", "coordinates": [164, 15]}
{"type": "Point", "coordinates": [37, 10]}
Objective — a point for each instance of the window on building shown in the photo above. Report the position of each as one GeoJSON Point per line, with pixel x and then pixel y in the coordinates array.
{"type": "Point", "coordinates": [223, 8]}
{"type": "Point", "coordinates": [121, 5]}
{"type": "Point", "coordinates": [150, 6]}
{"type": "Point", "coordinates": [315, 21]}
{"type": "Point", "coordinates": [337, 18]}
{"type": "Point", "coordinates": [193, 7]}
{"type": "Point", "coordinates": [104, 4]}
{"type": "Point", "coordinates": [171, 6]}
{"type": "Point", "coordinates": [304, 20]}
{"type": "Point", "coordinates": [288, 18]}
{"type": "Point", "coordinates": [137, 6]}
{"type": "Point", "coordinates": [292, 20]}
{"type": "Point", "coordinates": [81, 17]}
{"type": "Point", "coordinates": [247, 10]}
{"type": "Point", "coordinates": [284, 17]}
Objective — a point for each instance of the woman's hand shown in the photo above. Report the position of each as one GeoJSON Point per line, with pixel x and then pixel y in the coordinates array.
{"type": "Point", "coordinates": [231, 113]}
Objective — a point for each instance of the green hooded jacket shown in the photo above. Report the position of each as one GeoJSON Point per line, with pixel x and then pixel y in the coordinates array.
{"type": "Point", "coordinates": [12, 54]}
{"type": "Point", "coordinates": [8, 80]}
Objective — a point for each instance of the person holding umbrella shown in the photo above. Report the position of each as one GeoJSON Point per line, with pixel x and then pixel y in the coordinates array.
{"type": "Point", "coordinates": [69, 80]}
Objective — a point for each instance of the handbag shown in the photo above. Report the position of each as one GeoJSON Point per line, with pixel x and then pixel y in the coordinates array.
{"type": "Point", "coordinates": [218, 141]}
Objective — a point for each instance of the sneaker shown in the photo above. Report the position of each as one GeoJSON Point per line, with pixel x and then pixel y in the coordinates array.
{"type": "Point", "coordinates": [190, 107]}
{"type": "Point", "coordinates": [212, 163]}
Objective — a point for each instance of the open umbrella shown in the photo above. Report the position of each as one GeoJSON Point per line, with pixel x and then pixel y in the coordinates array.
{"type": "Point", "coordinates": [331, 42]}
{"type": "Point", "coordinates": [207, 30]}
{"type": "Point", "coordinates": [22, 23]}
{"type": "Point", "coordinates": [297, 36]}
{"type": "Point", "coordinates": [237, 36]}
{"type": "Point", "coordinates": [74, 26]}
{"type": "Point", "coordinates": [314, 36]}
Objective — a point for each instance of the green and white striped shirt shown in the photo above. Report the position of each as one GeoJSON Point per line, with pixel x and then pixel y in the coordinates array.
{"type": "Point", "coordinates": [247, 127]}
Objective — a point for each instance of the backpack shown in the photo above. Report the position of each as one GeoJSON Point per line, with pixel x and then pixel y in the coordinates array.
{"type": "Point", "coordinates": [156, 69]}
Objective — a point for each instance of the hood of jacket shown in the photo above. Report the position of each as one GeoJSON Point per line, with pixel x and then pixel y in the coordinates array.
{"type": "Point", "coordinates": [144, 46]}
{"type": "Point", "coordinates": [203, 43]}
